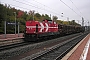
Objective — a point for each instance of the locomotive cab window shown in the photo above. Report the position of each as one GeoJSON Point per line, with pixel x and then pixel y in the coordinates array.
{"type": "Point", "coordinates": [50, 21]}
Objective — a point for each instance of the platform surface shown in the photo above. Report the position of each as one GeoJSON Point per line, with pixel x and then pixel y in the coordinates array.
{"type": "Point", "coordinates": [10, 36]}
{"type": "Point", "coordinates": [81, 51]}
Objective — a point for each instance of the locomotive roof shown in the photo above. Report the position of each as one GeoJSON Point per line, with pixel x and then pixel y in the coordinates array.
{"type": "Point", "coordinates": [47, 20]}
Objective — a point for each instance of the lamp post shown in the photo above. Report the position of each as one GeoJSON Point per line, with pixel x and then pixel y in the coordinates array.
{"type": "Point", "coordinates": [62, 16]}
{"type": "Point", "coordinates": [15, 22]}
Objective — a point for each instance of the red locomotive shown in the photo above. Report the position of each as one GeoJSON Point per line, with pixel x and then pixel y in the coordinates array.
{"type": "Point", "coordinates": [35, 30]}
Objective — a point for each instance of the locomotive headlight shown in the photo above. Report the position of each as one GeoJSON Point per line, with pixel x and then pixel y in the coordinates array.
{"type": "Point", "coordinates": [34, 31]}
{"type": "Point", "coordinates": [26, 31]}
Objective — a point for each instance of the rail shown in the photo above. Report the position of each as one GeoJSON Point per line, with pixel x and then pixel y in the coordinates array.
{"type": "Point", "coordinates": [49, 50]}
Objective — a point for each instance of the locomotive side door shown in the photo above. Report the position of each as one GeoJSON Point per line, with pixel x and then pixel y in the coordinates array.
{"type": "Point", "coordinates": [36, 28]}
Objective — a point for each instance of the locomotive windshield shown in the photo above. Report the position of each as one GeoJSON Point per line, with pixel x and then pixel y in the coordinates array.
{"type": "Point", "coordinates": [49, 21]}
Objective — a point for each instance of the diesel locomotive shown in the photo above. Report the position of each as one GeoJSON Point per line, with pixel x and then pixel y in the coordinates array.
{"type": "Point", "coordinates": [48, 28]}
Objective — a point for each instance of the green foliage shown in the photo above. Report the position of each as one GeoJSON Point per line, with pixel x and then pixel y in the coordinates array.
{"type": "Point", "coordinates": [59, 21]}
{"type": "Point", "coordinates": [55, 18]}
{"type": "Point", "coordinates": [8, 14]}
{"type": "Point", "coordinates": [67, 22]}
{"type": "Point", "coordinates": [2, 13]}
{"type": "Point", "coordinates": [46, 17]}
{"type": "Point", "coordinates": [38, 15]}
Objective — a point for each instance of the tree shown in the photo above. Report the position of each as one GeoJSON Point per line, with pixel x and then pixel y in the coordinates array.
{"type": "Point", "coordinates": [59, 21]}
{"type": "Point", "coordinates": [3, 17]}
{"type": "Point", "coordinates": [7, 13]}
{"type": "Point", "coordinates": [46, 17]}
{"type": "Point", "coordinates": [42, 17]}
{"type": "Point", "coordinates": [37, 16]}
{"type": "Point", "coordinates": [3, 13]}
{"type": "Point", "coordinates": [55, 18]}
{"type": "Point", "coordinates": [20, 14]}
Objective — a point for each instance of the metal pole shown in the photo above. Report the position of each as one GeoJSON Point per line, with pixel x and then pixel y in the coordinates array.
{"type": "Point", "coordinates": [68, 20]}
{"type": "Point", "coordinates": [18, 29]}
{"type": "Point", "coordinates": [50, 16]}
{"type": "Point", "coordinates": [15, 23]}
{"type": "Point", "coordinates": [62, 16]}
{"type": "Point", "coordinates": [82, 21]}
{"type": "Point", "coordinates": [88, 25]}
{"type": "Point", "coordinates": [5, 29]}
{"type": "Point", "coordinates": [33, 14]}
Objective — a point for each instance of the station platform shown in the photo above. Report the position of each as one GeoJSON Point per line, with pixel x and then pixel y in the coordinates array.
{"type": "Point", "coordinates": [10, 36]}
{"type": "Point", "coordinates": [81, 51]}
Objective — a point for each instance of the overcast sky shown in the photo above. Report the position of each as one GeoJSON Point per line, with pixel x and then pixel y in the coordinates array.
{"type": "Point", "coordinates": [74, 9]}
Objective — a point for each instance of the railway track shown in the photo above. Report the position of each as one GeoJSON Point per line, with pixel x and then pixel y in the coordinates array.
{"type": "Point", "coordinates": [58, 51]}
{"type": "Point", "coordinates": [5, 47]}
{"type": "Point", "coordinates": [8, 44]}
{"type": "Point", "coordinates": [10, 41]}
{"type": "Point", "coordinates": [19, 49]}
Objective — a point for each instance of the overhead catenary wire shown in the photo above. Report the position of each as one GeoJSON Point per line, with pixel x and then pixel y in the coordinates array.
{"type": "Point", "coordinates": [73, 10]}
{"type": "Point", "coordinates": [28, 5]}
{"type": "Point", "coordinates": [25, 7]}
{"type": "Point", "coordinates": [77, 9]}
{"type": "Point", "coordinates": [51, 8]}
{"type": "Point", "coordinates": [37, 7]}
{"type": "Point", "coordinates": [15, 5]}
{"type": "Point", "coordinates": [45, 5]}
{"type": "Point", "coordinates": [70, 8]}
{"type": "Point", "coordinates": [55, 10]}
